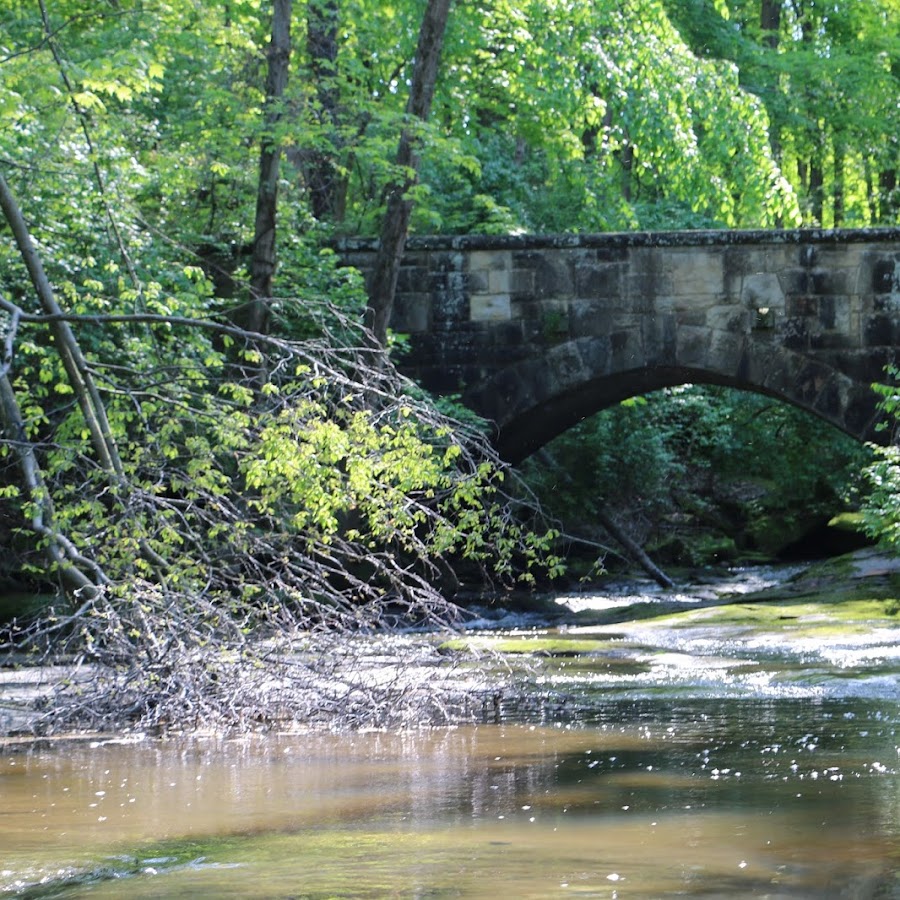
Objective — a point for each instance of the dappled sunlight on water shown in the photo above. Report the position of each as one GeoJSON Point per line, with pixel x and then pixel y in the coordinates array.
{"type": "Point", "coordinates": [784, 798]}
{"type": "Point", "coordinates": [632, 761]}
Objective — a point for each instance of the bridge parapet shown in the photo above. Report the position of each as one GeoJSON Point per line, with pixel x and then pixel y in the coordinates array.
{"type": "Point", "coordinates": [535, 332]}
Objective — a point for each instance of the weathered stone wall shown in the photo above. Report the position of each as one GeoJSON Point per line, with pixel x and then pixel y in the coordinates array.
{"type": "Point", "coordinates": [539, 332]}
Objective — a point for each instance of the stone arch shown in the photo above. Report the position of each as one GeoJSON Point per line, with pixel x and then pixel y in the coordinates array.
{"type": "Point", "coordinates": [536, 399]}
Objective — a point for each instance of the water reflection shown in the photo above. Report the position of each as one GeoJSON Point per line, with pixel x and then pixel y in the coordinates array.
{"type": "Point", "coordinates": [786, 798]}
{"type": "Point", "coordinates": [705, 762]}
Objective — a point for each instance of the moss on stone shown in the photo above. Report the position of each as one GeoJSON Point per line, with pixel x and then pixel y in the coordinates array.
{"type": "Point", "coordinates": [828, 614]}
{"type": "Point", "coordinates": [557, 645]}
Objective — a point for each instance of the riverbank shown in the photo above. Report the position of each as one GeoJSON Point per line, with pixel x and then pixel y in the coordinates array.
{"type": "Point", "coordinates": [732, 623]}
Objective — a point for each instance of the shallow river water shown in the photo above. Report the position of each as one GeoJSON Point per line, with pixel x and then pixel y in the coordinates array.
{"type": "Point", "coordinates": [691, 765]}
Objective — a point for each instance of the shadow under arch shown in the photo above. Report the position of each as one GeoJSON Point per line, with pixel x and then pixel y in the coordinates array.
{"type": "Point", "coordinates": [534, 400]}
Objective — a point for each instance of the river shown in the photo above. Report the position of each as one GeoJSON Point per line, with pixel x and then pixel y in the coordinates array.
{"type": "Point", "coordinates": [647, 760]}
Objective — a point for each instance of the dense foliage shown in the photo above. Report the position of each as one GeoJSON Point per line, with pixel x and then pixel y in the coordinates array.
{"type": "Point", "coordinates": [881, 505]}
{"type": "Point", "coordinates": [203, 495]}
{"type": "Point", "coordinates": [828, 75]}
{"type": "Point", "coordinates": [701, 474]}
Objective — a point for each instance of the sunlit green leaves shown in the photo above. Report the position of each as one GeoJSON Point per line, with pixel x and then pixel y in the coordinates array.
{"type": "Point", "coordinates": [881, 503]}
{"type": "Point", "coordinates": [595, 116]}
{"type": "Point", "coordinates": [828, 77]}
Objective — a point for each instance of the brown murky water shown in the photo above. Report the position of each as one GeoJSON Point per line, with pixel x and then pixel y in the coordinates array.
{"type": "Point", "coordinates": [712, 762]}
{"type": "Point", "coordinates": [777, 798]}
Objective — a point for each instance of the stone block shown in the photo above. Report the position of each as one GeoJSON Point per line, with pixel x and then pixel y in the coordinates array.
{"type": "Point", "coordinates": [763, 366]}
{"type": "Point", "coordinates": [476, 282]}
{"type": "Point", "coordinates": [488, 260]}
{"type": "Point", "coordinates": [802, 306]}
{"type": "Point", "coordinates": [808, 255]}
{"type": "Point", "coordinates": [499, 281]}
{"type": "Point", "coordinates": [827, 313]}
{"type": "Point", "coordinates": [447, 261]}
{"type": "Point", "coordinates": [692, 346]}
{"type": "Point", "coordinates": [413, 278]}
{"type": "Point", "coordinates": [596, 354]}
{"type": "Point", "coordinates": [448, 307]}
{"type": "Point", "coordinates": [889, 303]}
{"type": "Point", "coordinates": [590, 318]}
{"type": "Point", "coordinates": [690, 317]}
{"type": "Point", "coordinates": [698, 272]}
{"type": "Point", "coordinates": [625, 345]}
{"type": "Point", "coordinates": [506, 342]}
{"type": "Point", "coordinates": [795, 281]}
{"type": "Point", "coordinates": [489, 308]}
{"type": "Point", "coordinates": [886, 277]}
{"type": "Point", "coordinates": [533, 310]}
{"type": "Point", "coordinates": [762, 290]}
{"type": "Point", "coordinates": [598, 280]}
{"type": "Point", "coordinates": [861, 413]}
{"type": "Point", "coordinates": [660, 340]}
{"type": "Point", "coordinates": [550, 272]}
{"type": "Point", "coordinates": [829, 401]}
{"type": "Point", "coordinates": [411, 313]}
{"type": "Point", "coordinates": [729, 318]}
{"type": "Point", "coordinates": [839, 256]}
{"type": "Point", "coordinates": [610, 254]}
{"type": "Point", "coordinates": [456, 281]}
{"type": "Point", "coordinates": [725, 352]}
{"type": "Point", "coordinates": [794, 333]}
{"type": "Point", "coordinates": [825, 282]}
{"type": "Point", "coordinates": [522, 282]}
{"type": "Point", "coordinates": [881, 330]}
{"type": "Point", "coordinates": [437, 281]}
{"type": "Point", "coordinates": [642, 287]}
{"type": "Point", "coordinates": [741, 262]}
{"type": "Point", "coordinates": [829, 340]}
{"type": "Point", "coordinates": [566, 367]}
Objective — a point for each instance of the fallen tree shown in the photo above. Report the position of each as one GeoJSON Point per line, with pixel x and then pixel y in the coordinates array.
{"type": "Point", "coordinates": [213, 539]}
{"type": "Point", "coordinates": [251, 529]}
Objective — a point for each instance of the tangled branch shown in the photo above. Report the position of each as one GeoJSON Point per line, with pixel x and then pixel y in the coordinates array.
{"type": "Point", "coordinates": [293, 529]}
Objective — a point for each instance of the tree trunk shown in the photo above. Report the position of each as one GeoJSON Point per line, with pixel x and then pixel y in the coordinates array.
{"type": "Point", "coordinates": [770, 24]}
{"type": "Point", "coordinates": [838, 192]}
{"type": "Point", "coordinates": [817, 191]}
{"type": "Point", "coordinates": [59, 551]}
{"type": "Point", "coordinates": [81, 380]}
{"type": "Point", "coordinates": [626, 160]}
{"type": "Point", "coordinates": [262, 266]}
{"type": "Point", "coordinates": [888, 195]}
{"type": "Point", "coordinates": [88, 397]}
{"type": "Point", "coordinates": [383, 285]}
{"type": "Point", "coordinates": [322, 178]}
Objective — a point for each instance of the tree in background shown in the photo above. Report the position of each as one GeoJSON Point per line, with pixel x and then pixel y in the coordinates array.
{"type": "Point", "coordinates": [829, 77]}
{"type": "Point", "coordinates": [262, 267]}
{"type": "Point", "coordinates": [570, 115]}
{"type": "Point", "coordinates": [399, 205]}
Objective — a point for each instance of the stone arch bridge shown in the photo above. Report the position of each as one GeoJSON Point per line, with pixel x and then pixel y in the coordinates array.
{"type": "Point", "coordinates": [537, 332]}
